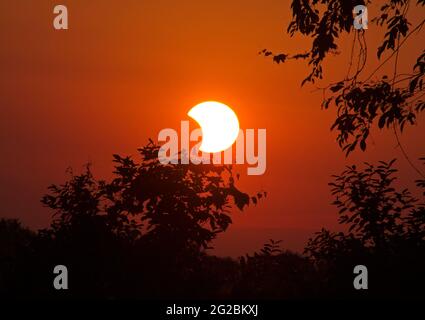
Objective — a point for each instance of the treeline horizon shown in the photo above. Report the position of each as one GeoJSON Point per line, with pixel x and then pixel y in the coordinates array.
{"type": "Point", "coordinates": [146, 233]}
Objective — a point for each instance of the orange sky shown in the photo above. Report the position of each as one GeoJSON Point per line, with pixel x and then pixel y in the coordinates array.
{"type": "Point", "coordinates": [126, 69]}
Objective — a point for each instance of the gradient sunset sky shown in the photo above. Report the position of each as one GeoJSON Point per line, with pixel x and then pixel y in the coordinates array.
{"type": "Point", "coordinates": [127, 69]}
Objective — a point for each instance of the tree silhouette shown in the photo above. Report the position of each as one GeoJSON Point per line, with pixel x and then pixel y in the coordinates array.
{"type": "Point", "coordinates": [385, 232]}
{"type": "Point", "coordinates": [361, 98]}
{"type": "Point", "coordinates": [275, 273]}
{"type": "Point", "coordinates": [186, 204]}
{"type": "Point", "coordinates": [151, 220]}
{"type": "Point", "coordinates": [145, 233]}
{"type": "Point", "coordinates": [385, 226]}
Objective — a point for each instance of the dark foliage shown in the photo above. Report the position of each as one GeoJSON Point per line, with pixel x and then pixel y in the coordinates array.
{"type": "Point", "coordinates": [98, 233]}
{"type": "Point", "coordinates": [145, 233]}
{"type": "Point", "coordinates": [385, 232]}
{"type": "Point", "coordinates": [361, 99]}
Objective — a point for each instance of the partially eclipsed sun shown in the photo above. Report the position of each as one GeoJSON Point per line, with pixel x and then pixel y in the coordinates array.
{"type": "Point", "coordinates": [219, 125]}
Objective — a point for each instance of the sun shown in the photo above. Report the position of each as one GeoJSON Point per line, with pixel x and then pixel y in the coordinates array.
{"type": "Point", "coordinates": [219, 125]}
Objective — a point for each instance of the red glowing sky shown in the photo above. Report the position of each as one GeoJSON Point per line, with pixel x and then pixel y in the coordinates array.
{"type": "Point", "coordinates": [126, 69]}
